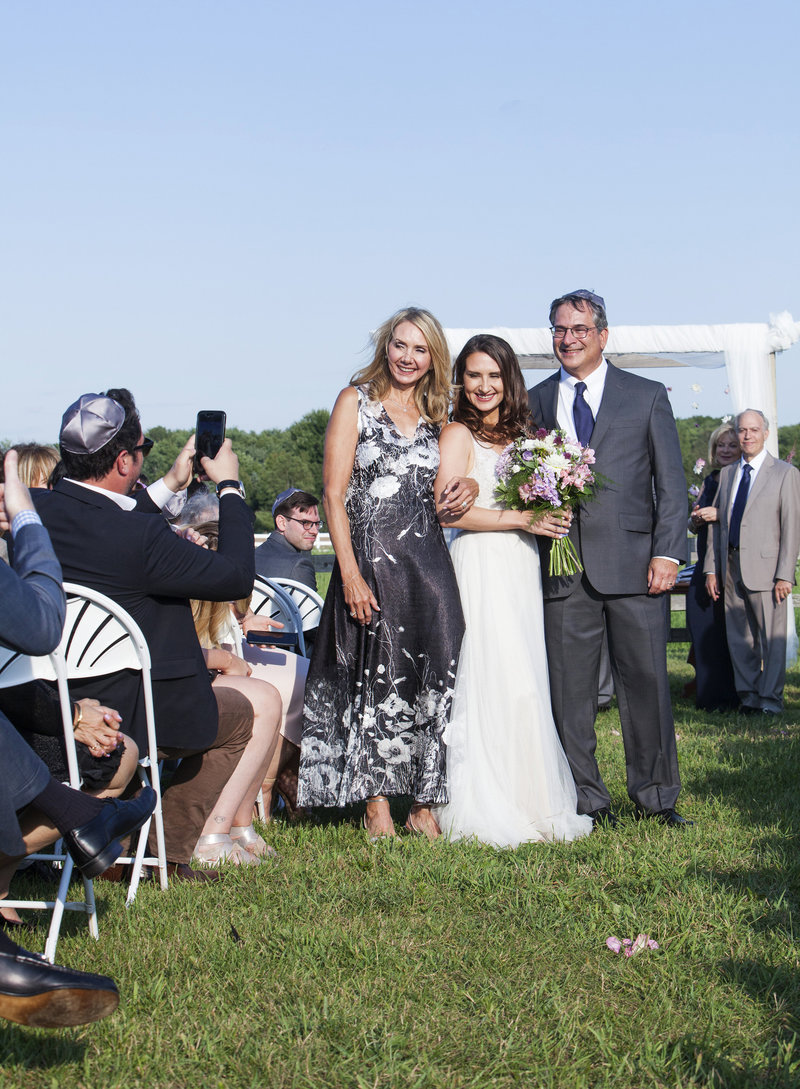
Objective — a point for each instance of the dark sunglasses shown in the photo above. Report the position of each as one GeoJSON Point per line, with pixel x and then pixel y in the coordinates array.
{"type": "Point", "coordinates": [146, 445]}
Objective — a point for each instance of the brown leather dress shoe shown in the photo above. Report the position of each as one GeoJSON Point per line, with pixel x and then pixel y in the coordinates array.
{"type": "Point", "coordinates": [181, 871]}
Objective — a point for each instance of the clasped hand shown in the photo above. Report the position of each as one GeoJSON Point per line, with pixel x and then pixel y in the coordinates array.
{"type": "Point", "coordinates": [97, 728]}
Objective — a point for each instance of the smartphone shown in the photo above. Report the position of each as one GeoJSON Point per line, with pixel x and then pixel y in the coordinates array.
{"type": "Point", "coordinates": [209, 436]}
{"type": "Point", "coordinates": [272, 638]}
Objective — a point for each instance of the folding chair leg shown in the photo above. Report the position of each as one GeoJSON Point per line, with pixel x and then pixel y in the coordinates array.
{"type": "Point", "coordinates": [91, 908]}
{"type": "Point", "coordinates": [58, 910]}
{"type": "Point", "coordinates": [137, 862]}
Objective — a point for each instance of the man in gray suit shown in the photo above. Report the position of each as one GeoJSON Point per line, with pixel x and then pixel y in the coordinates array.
{"type": "Point", "coordinates": [631, 539]}
{"type": "Point", "coordinates": [286, 553]}
{"type": "Point", "coordinates": [753, 553]}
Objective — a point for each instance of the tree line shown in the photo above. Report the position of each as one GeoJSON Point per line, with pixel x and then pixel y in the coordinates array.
{"type": "Point", "coordinates": [270, 461]}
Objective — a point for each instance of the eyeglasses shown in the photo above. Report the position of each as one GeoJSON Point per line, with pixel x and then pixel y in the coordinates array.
{"type": "Point", "coordinates": [146, 445]}
{"type": "Point", "coordinates": [306, 523]}
{"type": "Point", "coordinates": [579, 331]}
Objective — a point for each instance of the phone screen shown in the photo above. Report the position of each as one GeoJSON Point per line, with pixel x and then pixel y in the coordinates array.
{"type": "Point", "coordinates": [209, 436]}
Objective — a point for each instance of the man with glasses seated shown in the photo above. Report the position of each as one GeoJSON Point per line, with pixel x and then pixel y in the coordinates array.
{"type": "Point", "coordinates": [285, 552]}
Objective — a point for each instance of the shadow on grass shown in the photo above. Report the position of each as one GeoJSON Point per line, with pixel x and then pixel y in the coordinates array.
{"type": "Point", "coordinates": [701, 1062]}
{"type": "Point", "coordinates": [353, 814]}
{"type": "Point", "coordinates": [39, 1049]}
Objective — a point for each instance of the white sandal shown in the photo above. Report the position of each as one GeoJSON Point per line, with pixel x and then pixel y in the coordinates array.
{"type": "Point", "coordinates": [219, 847]}
{"type": "Point", "coordinates": [247, 837]}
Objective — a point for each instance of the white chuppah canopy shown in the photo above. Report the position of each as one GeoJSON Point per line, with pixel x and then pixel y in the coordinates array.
{"type": "Point", "coordinates": [747, 350]}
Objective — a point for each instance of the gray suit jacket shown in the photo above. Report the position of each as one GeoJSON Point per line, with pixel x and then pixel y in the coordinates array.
{"type": "Point", "coordinates": [769, 539]}
{"type": "Point", "coordinates": [277, 558]}
{"type": "Point", "coordinates": [32, 610]}
{"type": "Point", "coordinates": [639, 511]}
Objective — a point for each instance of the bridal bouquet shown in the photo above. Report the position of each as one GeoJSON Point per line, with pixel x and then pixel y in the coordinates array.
{"type": "Point", "coordinates": [541, 474]}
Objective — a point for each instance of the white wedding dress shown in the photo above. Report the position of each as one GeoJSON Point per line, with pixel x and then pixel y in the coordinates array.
{"type": "Point", "coordinates": [508, 779]}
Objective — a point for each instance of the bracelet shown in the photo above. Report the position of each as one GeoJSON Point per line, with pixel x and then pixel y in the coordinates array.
{"type": "Point", "coordinates": [77, 721]}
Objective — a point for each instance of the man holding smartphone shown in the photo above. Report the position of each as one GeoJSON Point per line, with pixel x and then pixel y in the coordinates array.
{"type": "Point", "coordinates": [108, 540]}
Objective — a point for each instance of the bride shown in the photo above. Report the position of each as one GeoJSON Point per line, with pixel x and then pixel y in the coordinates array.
{"type": "Point", "coordinates": [508, 778]}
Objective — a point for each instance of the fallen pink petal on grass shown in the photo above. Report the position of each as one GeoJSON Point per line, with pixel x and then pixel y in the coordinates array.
{"type": "Point", "coordinates": [629, 947]}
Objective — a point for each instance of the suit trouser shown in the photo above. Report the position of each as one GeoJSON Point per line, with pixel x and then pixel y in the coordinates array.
{"type": "Point", "coordinates": [201, 775]}
{"type": "Point", "coordinates": [756, 629]}
{"type": "Point", "coordinates": [22, 778]}
{"type": "Point", "coordinates": [637, 643]}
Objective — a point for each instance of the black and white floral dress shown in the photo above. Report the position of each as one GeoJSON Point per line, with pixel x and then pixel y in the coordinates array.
{"type": "Point", "coordinates": [378, 697]}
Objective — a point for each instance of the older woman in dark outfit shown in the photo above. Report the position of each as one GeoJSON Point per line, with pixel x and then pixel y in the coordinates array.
{"type": "Point", "coordinates": [706, 618]}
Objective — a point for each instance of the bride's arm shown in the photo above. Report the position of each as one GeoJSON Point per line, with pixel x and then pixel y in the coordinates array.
{"type": "Point", "coordinates": [456, 460]}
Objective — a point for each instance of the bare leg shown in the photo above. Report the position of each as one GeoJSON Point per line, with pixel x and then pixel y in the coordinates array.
{"type": "Point", "coordinates": [378, 818]}
{"type": "Point", "coordinates": [422, 821]}
{"type": "Point", "coordinates": [235, 803]}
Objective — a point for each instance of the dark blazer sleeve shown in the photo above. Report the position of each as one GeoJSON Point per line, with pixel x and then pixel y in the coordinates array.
{"type": "Point", "coordinates": [144, 504]}
{"type": "Point", "coordinates": [32, 603]}
{"type": "Point", "coordinates": [177, 568]}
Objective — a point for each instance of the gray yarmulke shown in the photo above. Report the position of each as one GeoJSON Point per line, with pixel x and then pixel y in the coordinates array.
{"type": "Point", "coordinates": [89, 423]}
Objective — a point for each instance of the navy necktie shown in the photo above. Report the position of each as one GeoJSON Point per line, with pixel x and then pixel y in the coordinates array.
{"type": "Point", "coordinates": [582, 415]}
{"type": "Point", "coordinates": [738, 507]}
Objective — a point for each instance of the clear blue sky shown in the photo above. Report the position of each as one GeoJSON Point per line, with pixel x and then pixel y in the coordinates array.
{"type": "Point", "coordinates": [213, 203]}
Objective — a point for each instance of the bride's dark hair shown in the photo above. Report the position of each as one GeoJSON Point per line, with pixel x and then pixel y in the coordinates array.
{"type": "Point", "coordinates": [515, 414]}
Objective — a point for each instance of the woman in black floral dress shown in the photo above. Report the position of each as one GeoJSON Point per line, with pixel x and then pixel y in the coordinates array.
{"type": "Point", "coordinates": [380, 684]}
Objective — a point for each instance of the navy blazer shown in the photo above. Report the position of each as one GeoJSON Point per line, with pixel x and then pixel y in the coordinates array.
{"type": "Point", "coordinates": [135, 558]}
{"type": "Point", "coordinates": [32, 605]}
{"type": "Point", "coordinates": [640, 509]}
{"type": "Point", "coordinates": [32, 610]}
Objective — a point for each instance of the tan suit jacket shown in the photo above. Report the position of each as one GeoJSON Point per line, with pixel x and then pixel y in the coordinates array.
{"type": "Point", "coordinates": [769, 539]}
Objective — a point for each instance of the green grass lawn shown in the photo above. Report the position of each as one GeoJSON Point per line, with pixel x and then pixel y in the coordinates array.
{"type": "Point", "coordinates": [411, 964]}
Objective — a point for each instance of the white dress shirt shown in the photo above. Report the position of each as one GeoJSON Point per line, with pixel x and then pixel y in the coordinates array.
{"type": "Point", "coordinates": [158, 492]}
{"type": "Point", "coordinates": [595, 384]}
{"type": "Point", "coordinates": [755, 465]}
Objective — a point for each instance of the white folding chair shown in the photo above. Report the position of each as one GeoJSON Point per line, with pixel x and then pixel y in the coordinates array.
{"type": "Point", "coordinates": [99, 637]}
{"type": "Point", "coordinates": [17, 668]}
{"type": "Point", "coordinates": [271, 600]}
{"type": "Point", "coordinates": [309, 603]}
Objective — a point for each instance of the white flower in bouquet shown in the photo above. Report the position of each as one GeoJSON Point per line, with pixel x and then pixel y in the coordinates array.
{"type": "Point", "coordinates": [541, 474]}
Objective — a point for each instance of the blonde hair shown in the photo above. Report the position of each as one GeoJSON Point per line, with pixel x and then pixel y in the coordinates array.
{"type": "Point", "coordinates": [211, 618]}
{"type": "Point", "coordinates": [35, 463]}
{"type": "Point", "coordinates": [432, 392]}
{"type": "Point", "coordinates": [713, 442]}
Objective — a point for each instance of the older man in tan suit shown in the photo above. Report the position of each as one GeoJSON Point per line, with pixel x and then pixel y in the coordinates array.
{"type": "Point", "coordinates": [753, 553]}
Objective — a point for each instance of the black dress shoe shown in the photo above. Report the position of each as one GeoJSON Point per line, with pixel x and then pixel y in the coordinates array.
{"type": "Point", "coordinates": [96, 845]}
{"type": "Point", "coordinates": [35, 992]}
{"type": "Point", "coordinates": [665, 816]}
{"type": "Point", "coordinates": [603, 818]}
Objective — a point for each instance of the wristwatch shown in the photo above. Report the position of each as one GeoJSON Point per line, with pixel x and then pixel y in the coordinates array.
{"type": "Point", "coordinates": [237, 484]}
